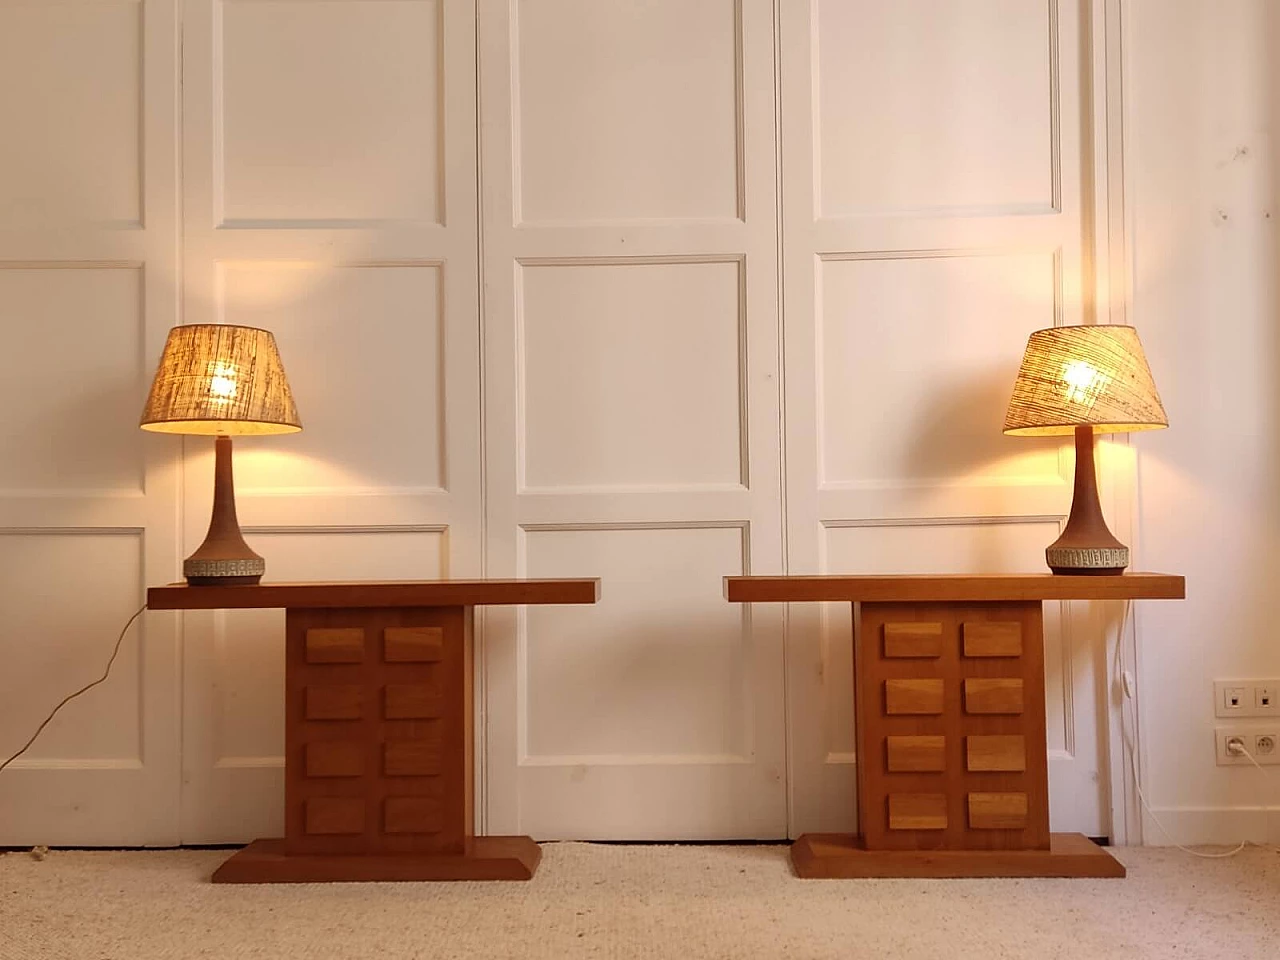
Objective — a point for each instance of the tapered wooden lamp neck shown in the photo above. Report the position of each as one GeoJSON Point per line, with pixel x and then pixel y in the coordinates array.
{"type": "Point", "coordinates": [1086, 545]}
{"type": "Point", "coordinates": [224, 557]}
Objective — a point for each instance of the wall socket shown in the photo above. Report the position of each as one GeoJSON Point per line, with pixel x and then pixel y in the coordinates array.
{"type": "Point", "coordinates": [1246, 698]}
{"type": "Point", "coordinates": [1261, 741]}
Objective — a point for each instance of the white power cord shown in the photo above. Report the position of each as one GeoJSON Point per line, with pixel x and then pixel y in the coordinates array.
{"type": "Point", "coordinates": [71, 696]}
{"type": "Point", "coordinates": [1127, 685]}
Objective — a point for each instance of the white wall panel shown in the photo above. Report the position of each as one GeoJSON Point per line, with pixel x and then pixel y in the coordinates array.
{"type": "Point", "coordinates": [330, 196]}
{"type": "Point", "coordinates": [78, 331]}
{"type": "Point", "coordinates": [67, 624]}
{"type": "Point", "coordinates": [363, 349]}
{"type": "Point", "coordinates": [330, 110]}
{"type": "Point", "coordinates": [88, 260]}
{"type": "Point", "coordinates": [631, 415]}
{"type": "Point", "coordinates": [70, 106]}
{"type": "Point", "coordinates": [916, 357]}
{"type": "Point", "coordinates": [929, 106]}
{"type": "Point", "coordinates": [628, 110]}
{"type": "Point", "coordinates": [631, 374]}
{"type": "Point", "coordinates": [658, 668]}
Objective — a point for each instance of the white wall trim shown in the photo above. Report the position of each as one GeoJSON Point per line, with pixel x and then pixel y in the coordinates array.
{"type": "Point", "coordinates": [1224, 825]}
{"type": "Point", "coordinates": [1111, 266]}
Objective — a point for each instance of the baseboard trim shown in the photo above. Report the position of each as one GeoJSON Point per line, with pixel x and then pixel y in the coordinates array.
{"type": "Point", "coordinates": [1216, 825]}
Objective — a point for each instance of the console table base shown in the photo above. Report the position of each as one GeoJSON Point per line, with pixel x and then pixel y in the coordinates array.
{"type": "Point", "coordinates": [841, 856]}
{"type": "Point", "coordinates": [486, 858]}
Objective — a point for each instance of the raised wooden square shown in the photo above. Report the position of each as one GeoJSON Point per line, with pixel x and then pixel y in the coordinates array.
{"type": "Point", "coordinates": [334, 701]}
{"type": "Point", "coordinates": [412, 644]}
{"type": "Point", "coordinates": [912, 640]}
{"type": "Point", "coordinates": [916, 754]}
{"type": "Point", "coordinates": [336, 758]}
{"type": "Point", "coordinates": [986, 638]}
{"type": "Point", "coordinates": [334, 815]}
{"type": "Point", "coordinates": [919, 697]}
{"type": "Point", "coordinates": [410, 701]}
{"type": "Point", "coordinates": [917, 811]}
{"type": "Point", "coordinates": [411, 815]}
{"type": "Point", "coordinates": [335, 645]}
{"type": "Point", "coordinates": [1001, 695]}
{"type": "Point", "coordinates": [997, 811]}
{"type": "Point", "coordinates": [414, 758]}
{"type": "Point", "coordinates": [998, 754]}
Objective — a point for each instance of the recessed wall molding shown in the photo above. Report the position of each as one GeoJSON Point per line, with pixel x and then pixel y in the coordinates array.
{"type": "Point", "coordinates": [690, 111]}
{"type": "Point", "coordinates": [1020, 148]}
{"type": "Point", "coordinates": [336, 101]}
{"type": "Point", "coordinates": [661, 418]}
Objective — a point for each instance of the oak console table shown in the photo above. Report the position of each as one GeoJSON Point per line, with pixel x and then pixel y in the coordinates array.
{"type": "Point", "coordinates": [378, 728]}
{"type": "Point", "coordinates": [952, 763]}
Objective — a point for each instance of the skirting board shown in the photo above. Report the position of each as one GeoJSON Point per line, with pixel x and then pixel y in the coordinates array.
{"type": "Point", "coordinates": [841, 856]}
{"type": "Point", "coordinates": [487, 858]}
{"type": "Point", "coordinates": [1215, 825]}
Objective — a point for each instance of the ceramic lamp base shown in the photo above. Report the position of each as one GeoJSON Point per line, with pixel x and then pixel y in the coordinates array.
{"type": "Point", "coordinates": [1086, 547]}
{"type": "Point", "coordinates": [224, 559]}
{"type": "Point", "coordinates": [226, 572]}
{"type": "Point", "coordinates": [1085, 561]}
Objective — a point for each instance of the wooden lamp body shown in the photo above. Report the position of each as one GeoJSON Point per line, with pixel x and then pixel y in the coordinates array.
{"type": "Point", "coordinates": [1086, 546]}
{"type": "Point", "coordinates": [224, 559]}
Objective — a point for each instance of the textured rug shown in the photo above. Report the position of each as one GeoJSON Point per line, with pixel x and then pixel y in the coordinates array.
{"type": "Point", "coordinates": [683, 902]}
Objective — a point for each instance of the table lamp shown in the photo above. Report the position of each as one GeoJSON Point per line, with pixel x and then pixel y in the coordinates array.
{"type": "Point", "coordinates": [221, 380]}
{"type": "Point", "coordinates": [1084, 380]}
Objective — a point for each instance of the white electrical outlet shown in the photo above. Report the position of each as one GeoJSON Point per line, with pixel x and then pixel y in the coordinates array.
{"type": "Point", "coordinates": [1263, 742]}
{"type": "Point", "coordinates": [1246, 698]}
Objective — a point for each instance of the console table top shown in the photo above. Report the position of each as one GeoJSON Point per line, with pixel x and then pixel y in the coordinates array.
{"type": "Point", "coordinates": [911, 588]}
{"type": "Point", "coordinates": [375, 593]}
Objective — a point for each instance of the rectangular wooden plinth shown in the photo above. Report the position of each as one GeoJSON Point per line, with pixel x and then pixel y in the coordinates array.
{"type": "Point", "coordinates": [486, 858]}
{"type": "Point", "coordinates": [841, 856]}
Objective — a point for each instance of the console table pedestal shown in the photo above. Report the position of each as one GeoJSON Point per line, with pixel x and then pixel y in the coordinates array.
{"type": "Point", "coordinates": [378, 728]}
{"type": "Point", "coordinates": [952, 763]}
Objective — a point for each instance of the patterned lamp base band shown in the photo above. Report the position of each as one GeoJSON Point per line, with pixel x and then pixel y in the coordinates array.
{"type": "Point", "coordinates": [1087, 559]}
{"type": "Point", "coordinates": [241, 570]}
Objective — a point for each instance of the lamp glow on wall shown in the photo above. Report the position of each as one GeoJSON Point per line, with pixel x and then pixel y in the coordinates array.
{"type": "Point", "coordinates": [221, 380]}
{"type": "Point", "coordinates": [1084, 380]}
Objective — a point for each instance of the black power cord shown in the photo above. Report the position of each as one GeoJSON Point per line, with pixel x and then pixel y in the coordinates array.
{"type": "Point", "coordinates": [88, 686]}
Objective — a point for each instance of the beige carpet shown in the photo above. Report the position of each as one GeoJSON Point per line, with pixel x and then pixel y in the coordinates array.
{"type": "Point", "coordinates": [620, 902]}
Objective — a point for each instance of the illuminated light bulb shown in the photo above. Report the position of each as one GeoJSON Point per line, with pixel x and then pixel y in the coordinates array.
{"type": "Point", "coordinates": [1084, 381]}
{"type": "Point", "coordinates": [222, 382]}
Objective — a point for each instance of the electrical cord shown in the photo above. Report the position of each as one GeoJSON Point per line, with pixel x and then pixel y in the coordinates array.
{"type": "Point", "coordinates": [1127, 700]}
{"type": "Point", "coordinates": [87, 687]}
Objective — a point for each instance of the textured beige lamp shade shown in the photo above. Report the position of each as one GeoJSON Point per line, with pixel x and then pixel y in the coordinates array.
{"type": "Point", "coordinates": [221, 380]}
{"type": "Point", "coordinates": [218, 379]}
{"type": "Point", "coordinates": [1089, 375]}
{"type": "Point", "coordinates": [1084, 380]}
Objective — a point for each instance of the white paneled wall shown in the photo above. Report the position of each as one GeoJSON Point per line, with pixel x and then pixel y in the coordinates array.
{"type": "Point", "coordinates": [632, 389]}
{"type": "Point", "coordinates": [650, 290]}
{"type": "Point", "coordinates": [329, 195]}
{"type": "Point", "coordinates": [88, 506]}
{"type": "Point", "coordinates": [934, 215]}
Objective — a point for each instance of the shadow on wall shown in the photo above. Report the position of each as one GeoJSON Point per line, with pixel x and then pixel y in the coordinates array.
{"type": "Point", "coordinates": [87, 434]}
{"type": "Point", "coordinates": [958, 435]}
{"type": "Point", "coordinates": [960, 428]}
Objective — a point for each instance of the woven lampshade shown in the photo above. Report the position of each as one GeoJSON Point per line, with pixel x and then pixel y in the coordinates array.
{"type": "Point", "coordinates": [219, 379]}
{"type": "Point", "coordinates": [1084, 376]}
